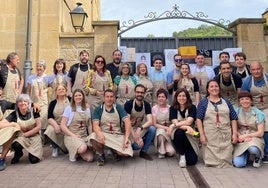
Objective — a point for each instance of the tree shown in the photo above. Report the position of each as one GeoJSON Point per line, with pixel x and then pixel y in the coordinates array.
{"type": "Point", "coordinates": [202, 31]}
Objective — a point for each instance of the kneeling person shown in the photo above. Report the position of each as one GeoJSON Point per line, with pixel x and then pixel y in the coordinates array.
{"type": "Point", "coordinates": [108, 120]}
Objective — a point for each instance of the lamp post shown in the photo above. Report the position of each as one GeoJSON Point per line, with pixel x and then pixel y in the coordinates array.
{"type": "Point", "coordinates": [78, 17]}
{"type": "Point", "coordinates": [28, 63]}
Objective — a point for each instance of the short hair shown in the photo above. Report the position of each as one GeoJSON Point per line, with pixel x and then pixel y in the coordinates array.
{"type": "Point", "coordinates": [121, 67]}
{"type": "Point", "coordinates": [225, 53]}
{"type": "Point", "coordinates": [60, 60]}
{"type": "Point", "coordinates": [213, 80]}
{"type": "Point", "coordinates": [24, 97]}
{"type": "Point", "coordinates": [242, 94]}
{"type": "Point", "coordinates": [11, 56]}
{"type": "Point", "coordinates": [176, 55]}
{"type": "Point", "coordinates": [158, 58]}
{"type": "Point", "coordinates": [225, 62]}
{"type": "Point", "coordinates": [241, 54]}
{"type": "Point", "coordinates": [109, 91]}
{"type": "Point", "coordinates": [117, 50]}
{"type": "Point", "coordinates": [83, 52]}
{"type": "Point", "coordinates": [162, 91]}
{"type": "Point", "coordinates": [140, 85]}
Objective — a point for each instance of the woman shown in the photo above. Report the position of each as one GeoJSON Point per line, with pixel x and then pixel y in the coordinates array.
{"type": "Point", "coordinates": [182, 115]}
{"type": "Point", "coordinates": [98, 80]}
{"type": "Point", "coordinates": [76, 125]}
{"type": "Point", "coordinates": [217, 125]}
{"type": "Point", "coordinates": [190, 84]}
{"type": "Point", "coordinates": [30, 124]}
{"type": "Point", "coordinates": [124, 84]}
{"type": "Point", "coordinates": [250, 132]}
{"type": "Point", "coordinates": [160, 113]}
{"type": "Point", "coordinates": [55, 111]}
{"type": "Point", "coordinates": [143, 78]}
{"type": "Point", "coordinates": [59, 76]}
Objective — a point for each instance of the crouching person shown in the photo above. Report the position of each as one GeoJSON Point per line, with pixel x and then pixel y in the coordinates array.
{"type": "Point", "coordinates": [108, 121]}
{"type": "Point", "coordinates": [76, 124]}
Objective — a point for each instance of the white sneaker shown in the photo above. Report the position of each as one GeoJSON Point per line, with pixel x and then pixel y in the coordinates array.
{"type": "Point", "coordinates": [257, 162]}
{"type": "Point", "coordinates": [161, 156]}
{"type": "Point", "coordinates": [55, 152]}
{"type": "Point", "coordinates": [72, 159]}
{"type": "Point", "coordinates": [182, 162]}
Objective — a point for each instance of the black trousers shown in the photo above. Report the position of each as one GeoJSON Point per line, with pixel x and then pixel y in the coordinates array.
{"type": "Point", "coordinates": [17, 147]}
{"type": "Point", "coordinates": [184, 147]}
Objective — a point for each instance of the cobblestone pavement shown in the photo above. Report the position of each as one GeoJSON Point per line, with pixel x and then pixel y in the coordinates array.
{"type": "Point", "coordinates": [130, 172]}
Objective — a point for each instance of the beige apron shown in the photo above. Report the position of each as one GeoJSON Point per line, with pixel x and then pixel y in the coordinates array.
{"type": "Point", "coordinates": [110, 127]}
{"type": "Point", "coordinates": [78, 126]}
{"type": "Point", "coordinates": [58, 139]}
{"type": "Point", "coordinates": [162, 119]}
{"type": "Point", "coordinates": [229, 92]}
{"type": "Point", "coordinates": [39, 95]}
{"type": "Point", "coordinates": [125, 91]}
{"type": "Point", "coordinates": [188, 84]}
{"type": "Point", "coordinates": [80, 79]}
{"type": "Point", "coordinates": [202, 78]}
{"type": "Point", "coordinates": [58, 79]}
{"type": "Point", "coordinates": [32, 144]}
{"type": "Point", "coordinates": [137, 119]}
{"type": "Point", "coordinates": [260, 98]}
{"type": "Point", "coordinates": [193, 140]}
{"type": "Point", "coordinates": [100, 83]}
{"type": "Point", "coordinates": [217, 129]}
{"type": "Point", "coordinates": [10, 91]}
{"type": "Point", "coordinates": [149, 88]}
{"type": "Point", "coordinates": [157, 84]}
{"type": "Point", "coordinates": [247, 125]}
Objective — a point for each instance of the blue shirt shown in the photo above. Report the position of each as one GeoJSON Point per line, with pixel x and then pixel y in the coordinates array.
{"type": "Point", "coordinates": [157, 75]}
{"type": "Point", "coordinates": [202, 109]}
{"type": "Point", "coordinates": [170, 75]}
{"type": "Point", "coordinates": [248, 82]}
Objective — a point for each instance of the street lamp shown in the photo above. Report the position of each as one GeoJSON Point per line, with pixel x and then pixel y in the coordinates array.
{"type": "Point", "coordinates": [78, 17]}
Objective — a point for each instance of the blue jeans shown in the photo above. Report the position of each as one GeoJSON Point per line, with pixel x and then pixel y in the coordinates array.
{"type": "Point", "coordinates": [241, 160]}
{"type": "Point", "coordinates": [265, 137]}
{"type": "Point", "coordinates": [147, 140]}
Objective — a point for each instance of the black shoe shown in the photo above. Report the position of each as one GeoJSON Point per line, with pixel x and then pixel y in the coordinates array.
{"type": "Point", "coordinates": [100, 160]}
{"type": "Point", "coordinates": [116, 157]}
{"type": "Point", "coordinates": [17, 156]}
{"type": "Point", "coordinates": [145, 156]}
{"type": "Point", "coordinates": [265, 159]}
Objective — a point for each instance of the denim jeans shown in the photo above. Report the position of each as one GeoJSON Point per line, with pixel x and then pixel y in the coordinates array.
{"type": "Point", "coordinates": [265, 137]}
{"type": "Point", "coordinates": [147, 140]}
{"type": "Point", "coordinates": [241, 160]}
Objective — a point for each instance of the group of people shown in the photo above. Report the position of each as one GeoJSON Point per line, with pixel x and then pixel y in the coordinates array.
{"type": "Point", "coordinates": [99, 106]}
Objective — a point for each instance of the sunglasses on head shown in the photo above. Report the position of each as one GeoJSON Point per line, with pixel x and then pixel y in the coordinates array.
{"type": "Point", "coordinates": [178, 60]}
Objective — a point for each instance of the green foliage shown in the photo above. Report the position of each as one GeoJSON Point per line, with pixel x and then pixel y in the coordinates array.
{"type": "Point", "coordinates": [265, 27]}
{"type": "Point", "coordinates": [150, 36]}
{"type": "Point", "coordinates": [202, 31]}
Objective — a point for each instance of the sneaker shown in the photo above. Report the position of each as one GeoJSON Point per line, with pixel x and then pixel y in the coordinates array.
{"type": "Point", "coordinates": [17, 156]}
{"type": "Point", "coordinates": [161, 156]}
{"type": "Point", "coordinates": [100, 160]}
{"type": "Point", "coordinates": [257, 162]}
{"type": "Point", "coordinates": [55, 152]}
{"type": "Point", "coordinates": [116, 157]}
{"type": "Point", "coordinates": [182, 162]}
{"type": "Point", "coordinates": [146, 156]}
{"type": "Point", "coordinates": [265, 159]}
{"type": "Point", "coordinates": [72, 159]}
{"type": "Point", "coordinates": [3, 164]}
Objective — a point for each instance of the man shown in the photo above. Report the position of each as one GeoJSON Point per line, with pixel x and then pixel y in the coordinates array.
{"type": "Point", "coordinates": [174, 74]}
{"type": "Point", "coordinates": [242, 69]}
{"type": "Point", "coordinates": [223, 56]}
{"type": "Point", "coordinates": [114, 66]}
{"type": "Point", "coordinates": [143, 132]}
{"type": "Point", "coordinates": [78, 73]}
{"type": "Point", "coordinates": [112, 127]}
{"type": "Point", "coordinates": [203, 73]}
{"type": "Point", "coordinates": [158, 78]}
{"type": "Point", "coordinates": [230, 83]}
{"type": "Point", "coordinates": [11, 80]}
{"type": "Point", "coordinates": [257, 85]}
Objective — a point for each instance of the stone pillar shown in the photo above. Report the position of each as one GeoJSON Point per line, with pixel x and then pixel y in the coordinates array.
{"type": "Point", "coordinates": [105, 40]}
{"type": "Point", "coordinates": [250, 37]}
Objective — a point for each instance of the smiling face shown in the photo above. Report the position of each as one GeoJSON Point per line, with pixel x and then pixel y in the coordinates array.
{"type": "Point", "coordinates": [61, 90]}
{"type": "Point", "coordinates": [256, 70]}
{"type": "Point", "coordinates": [143, 69]}
{"type": "Point", "coordinates": [99, 63]}
{"type": "Point", "coordinates": [213, 88]}
{"type": "Point", "coordinates": [185, 69]}
{"type": "Point", "coordinates": [84, 57]}
{"type": "Point", "coordinates": [200, 60]}
{"type": "Point", "coordinates": [162, 99]}
{"type": "Point", "coordinates": [240, 61]}
{"type": "Point", "coordinates": [226, 70]}
{"type": "Point", "coordinates": [40, 69]}
{"type": "Point", "coordinates": [181, 98]}
{"type": "Point", "coordinates": [14, 62]}
{"type": "Point", "coordinates": [139, 93]}
{"type": "Point", "coordinates": [245, 102]}
{"type": "Point", "coordinates": [158, 64]}
{"type": "Point", "coordinates": [23, 105]}
{"type": "Point", "coordinates": [109, 98]}
{"type": "Point", "coordinates": [78, 98]}
{"type": "Point", "coordinates": [117, 56]}
{"type": "Point", "coordinates": [59, 66]}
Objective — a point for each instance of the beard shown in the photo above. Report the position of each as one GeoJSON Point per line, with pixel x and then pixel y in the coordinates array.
{"type": "Point", "coordinates": [117, 61]}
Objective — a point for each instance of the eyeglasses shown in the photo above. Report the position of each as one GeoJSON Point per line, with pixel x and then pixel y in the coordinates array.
{"type": "Point", "coordinates": [98, 62]}
{"type": "Point", "coordinates": [178, 60]}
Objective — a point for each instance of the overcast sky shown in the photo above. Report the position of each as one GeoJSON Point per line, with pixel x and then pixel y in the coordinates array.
{"type": "Point", "coordinates": [124, 10]}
